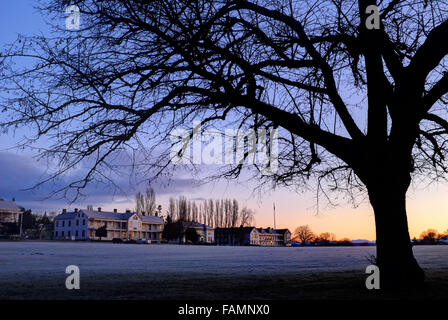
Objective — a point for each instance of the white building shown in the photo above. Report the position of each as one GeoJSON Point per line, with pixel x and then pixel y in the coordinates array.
{"type": "Point", "coordinates": [206, 234]}
{"type": "Point", "coordinates": [251, 236]}
{"type": "Point", "coordinates": [9, 212]}
{"type": "Point", "coordinates": [82, 225]}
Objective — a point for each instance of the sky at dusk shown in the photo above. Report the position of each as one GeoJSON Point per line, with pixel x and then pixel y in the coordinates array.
{"type": "Point", "coordinates": [427, 205]}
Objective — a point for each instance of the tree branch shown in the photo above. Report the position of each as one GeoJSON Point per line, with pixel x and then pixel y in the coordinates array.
{"type": "Point", "coordinates": [333, 94]}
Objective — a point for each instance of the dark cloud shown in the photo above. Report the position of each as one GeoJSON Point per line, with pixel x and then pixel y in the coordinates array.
{"type": "Point", "coordinates": [19, 172]}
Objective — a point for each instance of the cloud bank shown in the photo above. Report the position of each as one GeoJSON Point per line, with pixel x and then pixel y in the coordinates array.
{"type": "Point", "coordinates": [18, 172]}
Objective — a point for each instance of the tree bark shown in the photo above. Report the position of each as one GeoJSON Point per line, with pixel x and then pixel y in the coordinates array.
{"type": "Point", "coordinates": [395, 259]}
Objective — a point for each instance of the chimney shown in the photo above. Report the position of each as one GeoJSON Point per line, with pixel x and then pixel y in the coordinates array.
{"type": "Point", "coordinates": [76, 209]}
{"type": "Point", "coordinates": [64, 210]}
{"type": "Point", "coordinates": [115, 210]}
{"type": "Point", "coordinates": [99, 209]}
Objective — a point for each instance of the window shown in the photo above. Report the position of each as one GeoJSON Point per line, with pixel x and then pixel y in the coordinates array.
{"type": "Point", "coordinates": [63, 223]}
{"type": "Point", "coordinates": [69, 223]}
{"type": "Point", "coordinates": [83, 222]}
{"type": "Point", "coordinates": [77, 222]}
{"type": "Point", "coordinates": [83, 233]}
{"type": "Point", "coordinates": [69, 233]}
{"type": "Point", "coordinates": [76, 234]}
{"type": "Point", "coordinates": [139, 224]}
{"type": "Point", "coordinates": [56, 234]}
{"type": "Point", "coordinates": [57, 223]}
{"type": "Point", "coordinates": [63, 233]}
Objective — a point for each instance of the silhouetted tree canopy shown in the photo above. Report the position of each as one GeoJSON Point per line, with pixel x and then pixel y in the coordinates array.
{"type": "Point", "coordinates": [101, 232]}
{"type": "Point", "coordinates": [358, 109]}
{"type": "Point", "coordinates": [430, 235]}
{"type": "Point", "coordinates": [138, 69]}
{"type": "Point", "coordinates": [191, 235]}
{"type": "Point", "coordinates": [303, 234]}
{"type": "Point", "coordinates": [172, 231]}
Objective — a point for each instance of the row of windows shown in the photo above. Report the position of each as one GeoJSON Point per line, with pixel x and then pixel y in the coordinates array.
{"type": "Point", "coordinates": [111, 224]}
{"type": "Point", "coordinates": [69, 223]}
{"type": "Point", "coordinates": [56, 234]}
{"type": "Point", "coordinates": [122, 225]}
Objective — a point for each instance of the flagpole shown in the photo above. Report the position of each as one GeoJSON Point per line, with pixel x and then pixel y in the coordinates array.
{"type": "Point", "coordinates": [275, 227]}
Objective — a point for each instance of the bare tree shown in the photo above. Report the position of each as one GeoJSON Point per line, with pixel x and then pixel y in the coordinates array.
{"type": "Point", "coordinates": [304, 234]}
{"type": "Point", "coordinates": [430, 235]}
{"type": "Point", "coordinates": [235, 213]}
{"type": "Point", "coordinates": [145, 204]}
{"type": "Point", "coordinates": [172, 209]}
{"type": "Point", "coordinates": [246, 217]}
{"type": "Point", "coordinates": [139, 203]}
{"type": "Point", "coordinates": [210, 213]}
{"type": "Point", "coordinates": [219, 213]}
{"type": "Point", "coordinates": [150, 201]}
{"type": "Point", "coordinates": [326, 237]}
{"type": "Point", "coordinates": [194, 211]}
{"type": "Point", "coordinates": [360, 109]}
{"type": "Point", "coordinates": [444, 235]}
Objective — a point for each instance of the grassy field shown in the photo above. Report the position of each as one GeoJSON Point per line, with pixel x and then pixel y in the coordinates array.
{"type": "Point", "coordinates": [36, 270]}
{"type": "Point", "coordinates": [144, 286]}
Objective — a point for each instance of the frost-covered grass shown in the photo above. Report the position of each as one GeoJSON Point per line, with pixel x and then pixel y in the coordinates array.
{"type": "Point", "coordinates": [36, 270]}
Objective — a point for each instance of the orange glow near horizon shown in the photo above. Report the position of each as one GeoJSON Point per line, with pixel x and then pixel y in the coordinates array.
{"type": "Point", "coordinates": [426, 208]}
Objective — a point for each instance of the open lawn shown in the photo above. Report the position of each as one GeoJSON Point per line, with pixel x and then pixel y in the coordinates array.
{"type": "Point", "coordinates": [36, 270]}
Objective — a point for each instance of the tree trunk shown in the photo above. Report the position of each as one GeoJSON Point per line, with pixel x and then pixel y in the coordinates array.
{"type": "Point", "coordinates": [395, 259]}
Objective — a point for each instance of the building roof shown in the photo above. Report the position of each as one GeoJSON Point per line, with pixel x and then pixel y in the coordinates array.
{"type": "Point", "coordinates": [152, 219]}
{"type": "Point", "coordinates": [237, 228]}
{"type": "Point", "coordinates": [259, 230]}
{"type": "Point", "coordinates": [108, 215]}
{"type": "Point", "coordinates": [245, 230]}
{"type": "Point", "coordinates": [273, 231]}
{"type": "Point", "coordinates": [267, 230]}
{"type": "Point", "coordinates": [282, 231]}
{"type": "Point", "coordinates": [65, 215]}
{"type": "Point", "coordinates": [9, 206]}
{"type": "Point", "coordinates": [192, 224]}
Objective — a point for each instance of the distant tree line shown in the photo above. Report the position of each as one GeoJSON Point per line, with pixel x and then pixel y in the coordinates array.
{"type": "Point", "coordinates": [431, 236]}
{"type": "Point", "coordinates": [305, 235]}
{"type": "Point", "coordinates": [216, 213]}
